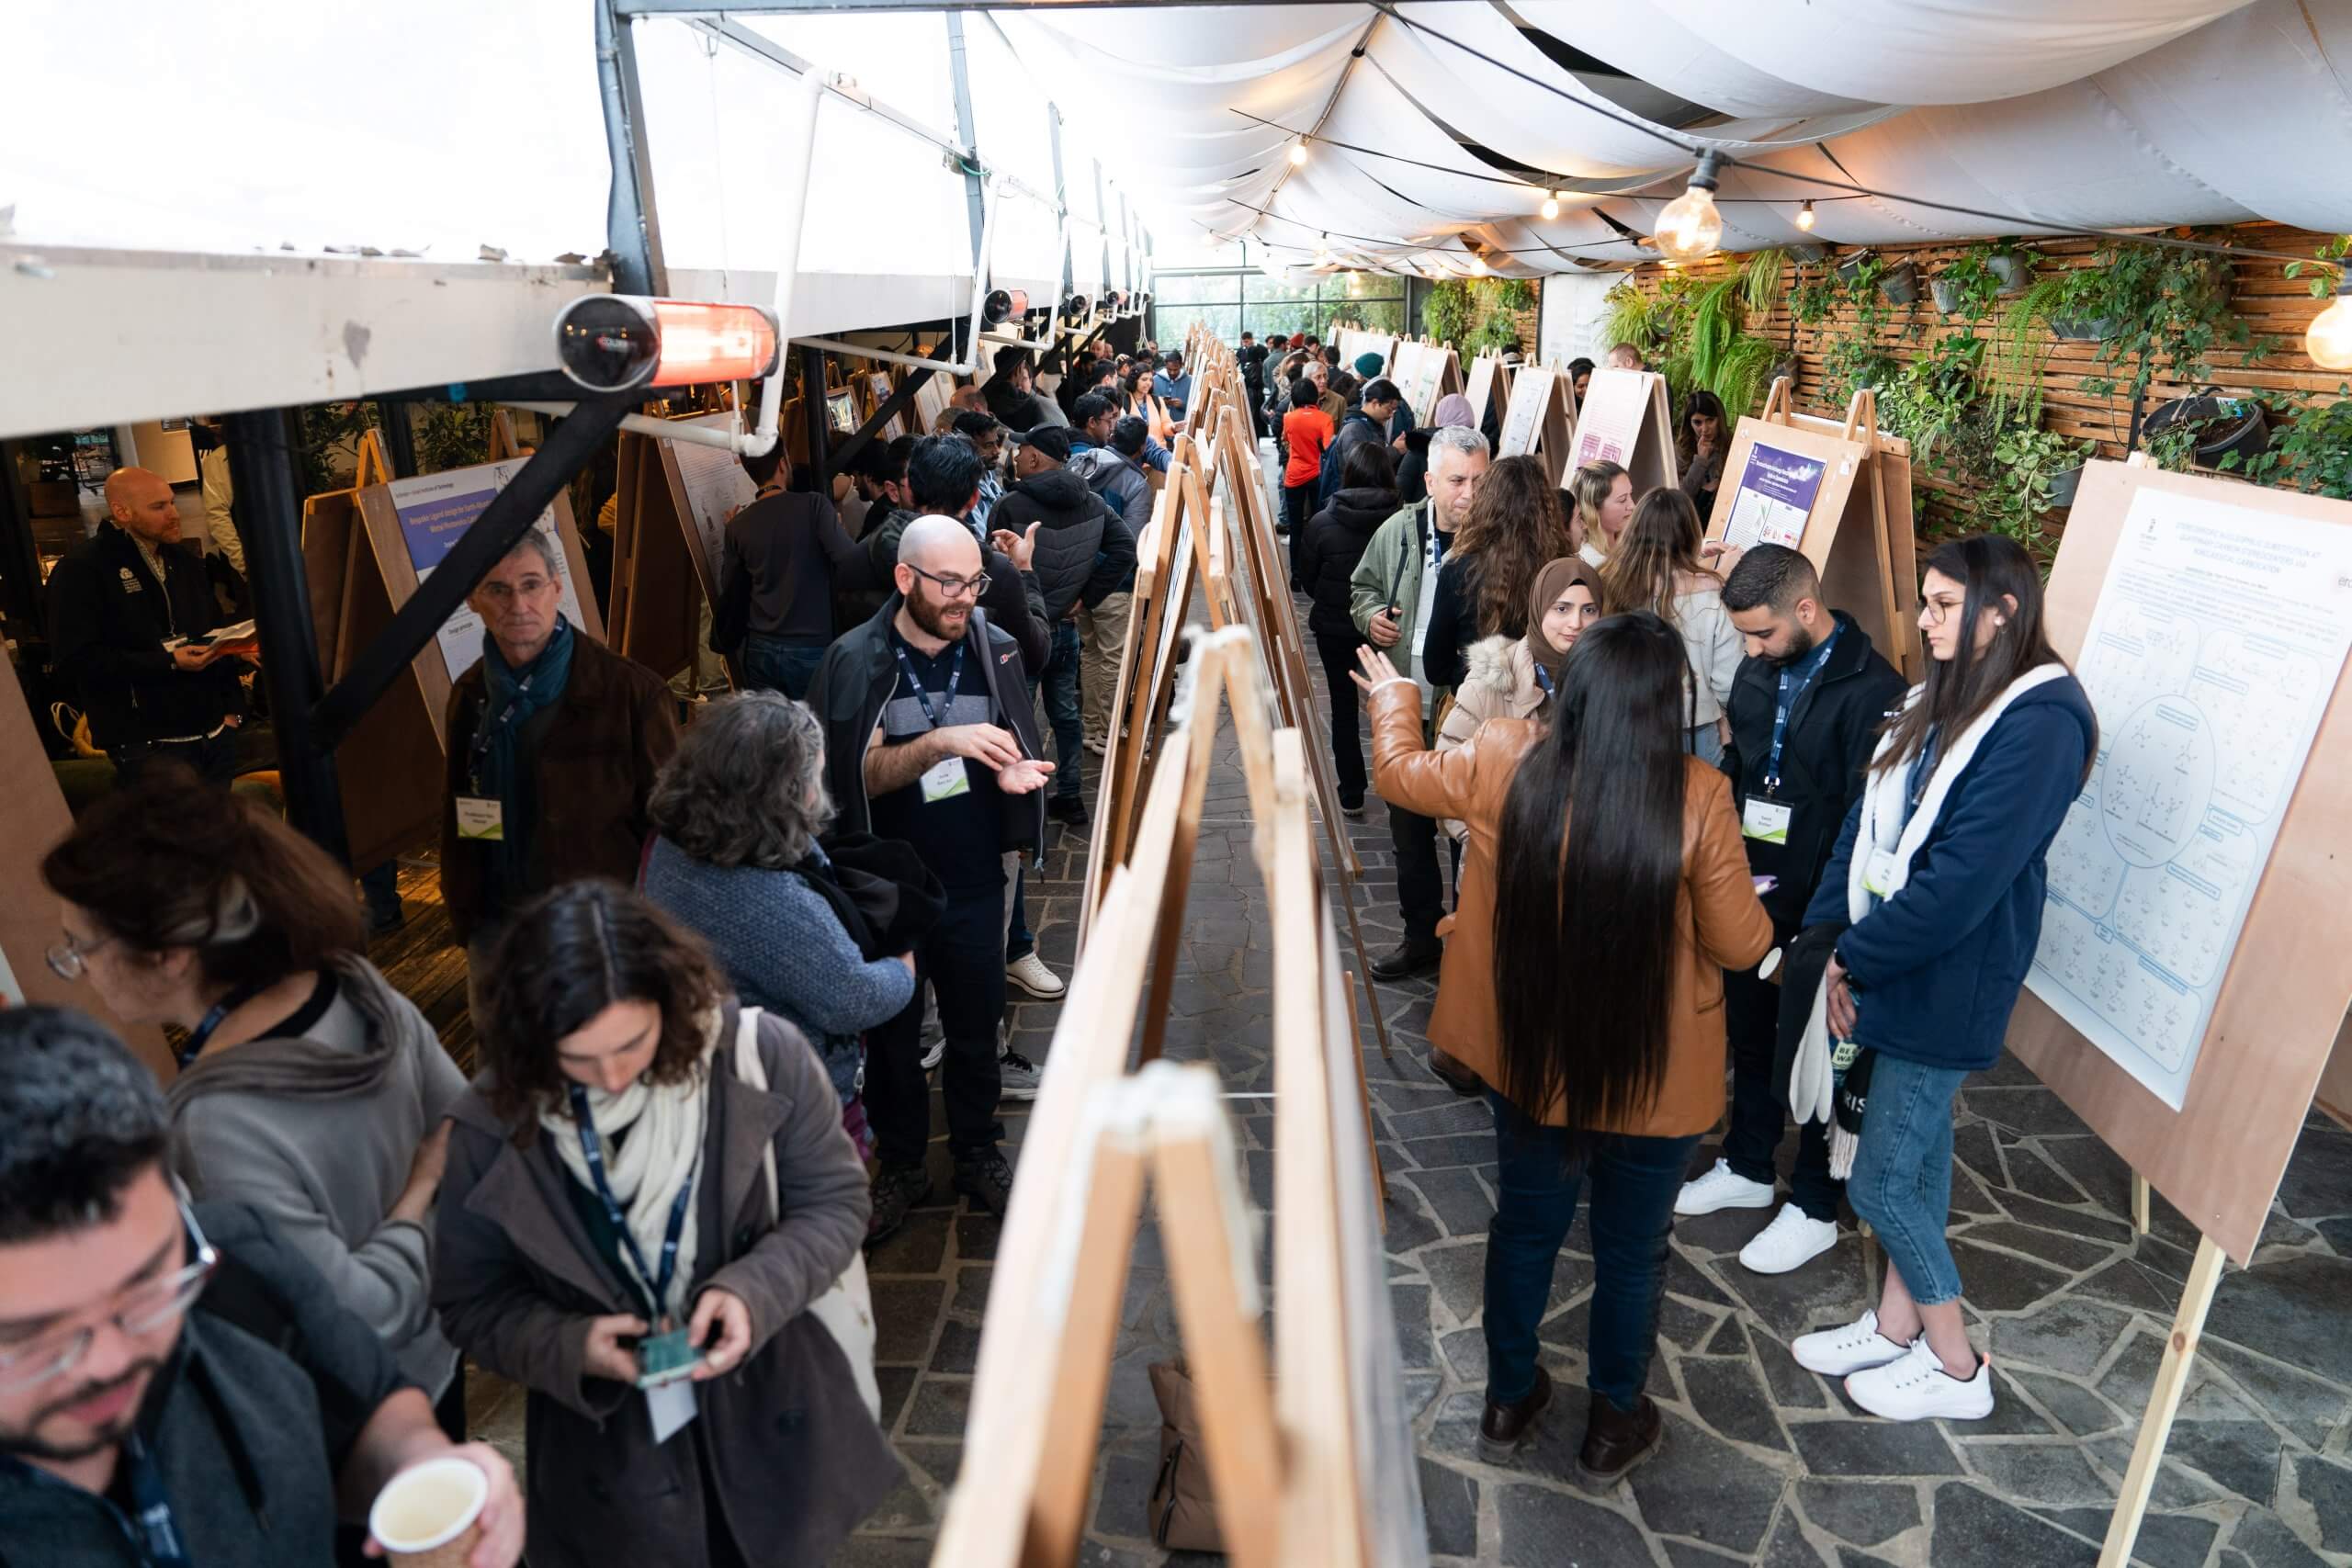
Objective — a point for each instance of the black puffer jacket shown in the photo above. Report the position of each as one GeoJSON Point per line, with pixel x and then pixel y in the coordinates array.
{"type": "Point", "coordinates": [1084, 550]}
{"type": "Point", "coordinates": [1324, 555]}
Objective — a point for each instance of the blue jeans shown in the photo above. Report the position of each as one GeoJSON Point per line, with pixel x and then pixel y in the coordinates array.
{"type": "Point", "coordinates": [1902, 1179]}
{"type": "Point", "coordinates": [780, 664]}
{"type": "Point", "coordinates": [1633, 1184]}
{"type": "Point", "coordinates": [1059, 679]}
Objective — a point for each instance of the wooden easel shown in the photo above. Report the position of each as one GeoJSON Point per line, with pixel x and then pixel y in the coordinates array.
{"type": "Point", "coordinates": [1490, 379]}
{"type": "Point", "coordinates": [1425, 371]}
{"type": "Point", "coordinates": [2220, 1156]}
{"type": "Point", "coordinates": [1846, 532]}
{"type": "Point", "coordinates": [1625, 418]}
{"type": "Point", "coordinates": [1539, 420]}
{"type": "Point", "coordinates": [1890, 470]}
{"type": "Point", "coordinates": [668, 541]}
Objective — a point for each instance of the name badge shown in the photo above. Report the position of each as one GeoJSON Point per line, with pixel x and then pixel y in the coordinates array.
{"type": "Point", "coordinates": [1878, 872]}
{"type": "Point", "coordinates": [669, 1407]}
{"type": "Point", "coordinates": [481, 818]}
{"type": "Point", "coordinates": [944, 780]}
{"type": "Point", "coordinates": [1767, 822]}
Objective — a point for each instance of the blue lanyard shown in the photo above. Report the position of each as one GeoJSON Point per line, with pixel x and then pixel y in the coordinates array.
{"type": "Point", "coordinates": [1923, 767]}
{"type": "Point", "coordinates": [1787, 704]}
{"type": "Point", "coordinates": [158, 1530]}
{"type": "Point", "coordinates": [201, 1035]}
{"type": "Point", "coordinates": [590, 1148]}
{"type": "Point", "coordinates": [481, 746]}
{"type": "Point", "coordinates": [955, 678]}
{"type": "Point", "coordinates": [1543, 679]}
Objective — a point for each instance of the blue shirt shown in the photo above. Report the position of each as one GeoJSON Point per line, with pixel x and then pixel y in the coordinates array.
{"type": "Point", "coordinates": [1175, 393]}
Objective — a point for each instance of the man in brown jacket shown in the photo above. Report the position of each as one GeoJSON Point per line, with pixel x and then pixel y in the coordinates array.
{"type": "Point", "coordinates": [553, 742]}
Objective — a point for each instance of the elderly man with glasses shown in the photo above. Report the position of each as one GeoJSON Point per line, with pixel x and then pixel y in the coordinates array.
{"type": "Point", "coordinates": [931, 737]}
{"type": "Point", "coordinates": [148, 1417]}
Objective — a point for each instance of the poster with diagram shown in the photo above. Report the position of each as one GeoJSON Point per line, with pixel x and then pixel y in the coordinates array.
{"type": "Point", "coordinates": [1775, 498]}
{"type": "Point", "coordinates": [435, 511]}
{"type": "Point", "coordinates": [2217, 639]}
{"type": "Point", "coordinates": [715, 488]}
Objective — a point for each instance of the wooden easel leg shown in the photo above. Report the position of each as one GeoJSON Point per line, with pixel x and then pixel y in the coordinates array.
{"type": "Point", "coordinates": [2163, 1403]}
{"type": "Point", "coordinates": [1363, 967]}
{"type": "Point", "coordinates": [1363, 1094]}
{"type": "Point", "coordinates": [1168, 934]}
{"type": "Point", "coordinates": [2139, 1203]}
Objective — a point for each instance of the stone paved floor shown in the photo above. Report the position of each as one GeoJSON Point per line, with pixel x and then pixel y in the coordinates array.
{"type": "Point", "coordinates": [1764, 1462]}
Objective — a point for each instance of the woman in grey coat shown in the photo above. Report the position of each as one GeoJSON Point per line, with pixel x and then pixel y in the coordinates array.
{"type": "Point", "coordinates": [632, 1186]}
{"type": "Point", "coordinates": [308, 1089]}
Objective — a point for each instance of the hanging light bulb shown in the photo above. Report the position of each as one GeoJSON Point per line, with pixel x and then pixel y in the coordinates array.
{"type": "Point", "coordinates": [2328, 340]}
{"type": "Point", "coordinates": [1297, 154]}
{"type": "Point", "coordinates": [1551, 204]}
{"type": "Point", "coordinates": [1691, 228]}
{"type": "Point", "coordinates": [1477, 264]}
{"type": "Point", "coordinates": [1805, 217]}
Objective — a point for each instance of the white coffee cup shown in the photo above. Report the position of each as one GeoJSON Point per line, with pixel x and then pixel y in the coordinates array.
{"type": "Point", "coordinates": [428, 1514]}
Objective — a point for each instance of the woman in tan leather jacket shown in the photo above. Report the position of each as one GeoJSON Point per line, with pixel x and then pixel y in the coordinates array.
{"type": "Point", "coordinates": [1582, 979]}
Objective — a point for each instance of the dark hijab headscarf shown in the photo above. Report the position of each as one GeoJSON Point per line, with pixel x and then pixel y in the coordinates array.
{"type": "Point", "coordinates": [1556, 579]}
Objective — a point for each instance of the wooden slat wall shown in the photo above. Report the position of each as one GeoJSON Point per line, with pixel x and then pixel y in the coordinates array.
{"type": "Point", "coordinates": [2272, 305]}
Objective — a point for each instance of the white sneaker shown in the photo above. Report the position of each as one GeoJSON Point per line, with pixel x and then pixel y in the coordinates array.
{"type": "Point", "coordinates": [934, 1049]}
{"type": "Point", "coordinates": [1840, 1352]}
{"type": "Point", "coordinates": [1794, 1239]}
{"type": "Point", "coordinates": [1722, 1187]}
{"type": "Point", "coordinates": [1017, 1075]}
{"type": "Point", "coordinates": [1032, 976]}
{"type": "Point", "coordinates": [1917, 1388]}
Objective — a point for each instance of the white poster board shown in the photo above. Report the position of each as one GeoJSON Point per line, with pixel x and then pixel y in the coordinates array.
{"type": "Point", "coordinates": [1773, 498]}
{"type": "Point", "coordinates": [715, 486]}
{"type": "Point", "coordinates": [1609, 420]}
{"type": "Point", "coordinates": [434, 511]}
{"type": "Point", "coordinates": [2219, 634]}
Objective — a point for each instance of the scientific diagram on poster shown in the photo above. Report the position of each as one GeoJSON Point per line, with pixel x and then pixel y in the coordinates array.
{"type": "Point", "coordinates": [1775, 498]}
{"type": "Point", "coordinates": [2217, 639]}
{"type": "Point", "coordinates": [1611, 419]}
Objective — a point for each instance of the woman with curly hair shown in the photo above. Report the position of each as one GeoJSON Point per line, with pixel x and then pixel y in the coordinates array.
{"type": "Point", "coordinates": [648, 1188]}
{"type": "Point", "coordinates": [1656, 566]}
{"type": "Point", "coordinates": [1515, 527]}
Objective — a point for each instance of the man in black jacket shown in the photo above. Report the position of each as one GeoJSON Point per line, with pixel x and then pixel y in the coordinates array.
{"type": "Point", "coordinates": [177, 1384]}
{"type": "Point", "coordinates": [1807, 706]}
{"type": "Point", "coordinates": [127, 614]}
{"type": "Point", "coordinates": [1368, 421]}
{"type": "Point", "coordinates": [943, 480]}
{"type": "Point", "coordinates": [1012, 393]}
{"type": "Point", "coordinates": [1085, 553]}
{"type": "Point", "coordinates": [931, 738]}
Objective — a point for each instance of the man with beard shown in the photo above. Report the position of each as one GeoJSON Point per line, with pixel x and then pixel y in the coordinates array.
{"type": "Point", "coordinates": [931, 738]}
{"type": "Point", "coordinates": [1805, 709]}
{"type": "Point", "coordinates": [148, 1418]}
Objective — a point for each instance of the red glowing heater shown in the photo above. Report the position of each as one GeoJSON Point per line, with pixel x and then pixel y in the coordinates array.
{"type": "Point", "coordinates": [616, 343]}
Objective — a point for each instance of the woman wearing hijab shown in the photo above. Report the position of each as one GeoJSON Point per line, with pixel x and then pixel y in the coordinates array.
{"type": "Point", "coordinates": [1413, 471]}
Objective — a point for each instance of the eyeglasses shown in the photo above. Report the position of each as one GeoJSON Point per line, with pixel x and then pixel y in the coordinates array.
{"type": "Point", "coordinates": [140, 1310]}
{"type": "Point", "coordinates": [504, 594]}
{"type": "Point", "coordinates": [69, 960]}
{"type": "Point", "coordinates": [1938, 610]}
{"type": "Point", "coordinates": [953, 587]}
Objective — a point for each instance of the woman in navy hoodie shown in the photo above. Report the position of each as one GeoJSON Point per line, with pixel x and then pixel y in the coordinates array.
{"type": "Point", "coordinates": [1941, 871]}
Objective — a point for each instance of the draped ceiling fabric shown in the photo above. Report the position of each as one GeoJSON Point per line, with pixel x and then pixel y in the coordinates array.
{"type": "Point", "coordinates": [1431, 158]}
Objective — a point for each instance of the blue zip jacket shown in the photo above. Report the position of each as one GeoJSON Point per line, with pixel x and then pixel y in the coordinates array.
{"type": "Point", "coordinates": [1936, 968]}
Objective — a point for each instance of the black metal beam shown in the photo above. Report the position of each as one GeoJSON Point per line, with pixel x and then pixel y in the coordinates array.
{"type": "Point", "coordinates": [510, 514]}
{"type": "Point", "coordinates": [812, 408]}
{"type": "Point", "coordinates": [629, 228]}
{"type": "Point", "coordinates": [891, 408]}
{"type": "Point", "coordinates": [269, 519]}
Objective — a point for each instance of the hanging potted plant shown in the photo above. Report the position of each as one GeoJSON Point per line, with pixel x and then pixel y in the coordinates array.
{"type": "Point", "coordinates": [2014, 268]}
{"type": "Point", "coordinates": [1850, 267]}
{"type": "Point", "coordinates": [1900, 284]}
{"type": "Point", "coordinates": [2211, 430]}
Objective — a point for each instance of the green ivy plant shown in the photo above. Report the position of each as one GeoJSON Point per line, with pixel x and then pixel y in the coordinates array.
{"type": "Point", "coordinates": [2311, 451]}
{"type": "Point", "coordinates": [1446, 311]}
{"type": "Point", "coordinates": [319, 430]}
{"type": "Point", "coordinates": [453, 435]}
{"type": "Point", "coordinates": [2326, 268]}
{"type": "Point", "coordinates": [2017, 503]}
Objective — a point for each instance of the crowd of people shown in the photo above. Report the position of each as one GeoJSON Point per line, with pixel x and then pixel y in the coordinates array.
{"type": "Point", "coordinates": [1697, 828]}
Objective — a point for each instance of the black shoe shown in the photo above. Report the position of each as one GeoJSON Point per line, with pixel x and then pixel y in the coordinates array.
{"type": "Point", "coordinates": [1351, 805]}
{"type": "Point", "coordinates": [897, 1189]}
{"type": "Point", "coordinates": [987, 1181]}
{"type": "Point", "coordinates": [1407, 959]}
{"type": "Point", "coordinates": [1616, 1440]}
{"type": "Point", "coordinates": [1454, 1072]}
{"type": "Point", "coordinates": [1504, 1427]}
{"type": "Point", "coordinates": [1069, 808]}
{"type": "Point", "coordinates": [383, 922]}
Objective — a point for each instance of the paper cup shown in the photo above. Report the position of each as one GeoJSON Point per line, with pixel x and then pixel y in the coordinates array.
{"type": "Point", "coordinates": [430, 1514]}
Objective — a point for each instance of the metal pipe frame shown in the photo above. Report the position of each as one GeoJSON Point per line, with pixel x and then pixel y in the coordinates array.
{"type": "Point", "coordinates": [898, 402]}
{"type": "Point", "coordinates": [632, 231]}
{"type": "Point", "coordinates": [269, 518]}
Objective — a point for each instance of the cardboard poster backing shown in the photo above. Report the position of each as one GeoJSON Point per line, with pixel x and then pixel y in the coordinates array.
{"type": "Point", "coordinates": [1629, 410]}
{"type": "Point", "coordinates": [1489, 379]}
{"type": "Point", "coordinates": [1540, 419]}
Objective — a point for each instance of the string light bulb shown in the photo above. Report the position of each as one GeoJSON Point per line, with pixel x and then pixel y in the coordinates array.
{"type": "Point", "coordinates": [2328, 340]}
{"type": "Point", "coordinates": [1297, 154]}
{"type": "Point", "coordinates": [1477, 265]}
{"type": "Point", "coordinates": [1691, 228]}
{"type": "Point", "coordinates": [1551, 204]}
{"type": "Point", "coordinates": [1805, 217]}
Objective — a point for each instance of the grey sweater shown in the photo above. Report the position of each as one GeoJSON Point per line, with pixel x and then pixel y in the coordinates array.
{"type": "Point", "coordinates": [318, 1135]}
{"type": "Point", "coordinates": [785, 950]}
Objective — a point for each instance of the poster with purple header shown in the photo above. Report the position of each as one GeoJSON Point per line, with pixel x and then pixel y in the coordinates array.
{"type": "Point", "coordinates": [1775, 498]}
{"type": "Point", "coordinates": [435, 511]}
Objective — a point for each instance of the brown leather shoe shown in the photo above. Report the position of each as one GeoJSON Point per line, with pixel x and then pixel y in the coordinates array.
{"type": "Point", "coordinates": [1505, 1426]}
{"type": "Point", "coordinates": [1616, 1440]}
{"type": "Point", "coordinates": [1454, 1072]}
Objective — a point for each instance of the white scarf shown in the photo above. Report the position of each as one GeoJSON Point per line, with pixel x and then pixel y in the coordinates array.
{"type": "Point", "coordinates": [1812, 1082]}
{"type": "Point", "coordinates": [665, 1125]}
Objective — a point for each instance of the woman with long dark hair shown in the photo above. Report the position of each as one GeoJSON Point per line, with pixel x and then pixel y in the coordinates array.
{"type": "Point", "coordinates": [1702, 437]}
{"type": "Point", "coordinates": [1656, 566]}
{"type": "Point", "coordinates": [1604, 892]}
{"type": "Point", "coordinates": [1938, 883]}
{"type": "Point", "coordinates": [1514, 527]}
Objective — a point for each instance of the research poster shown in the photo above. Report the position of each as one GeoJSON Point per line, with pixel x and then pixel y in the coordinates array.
{"type": "Point", "coordinates": [715, 486]}
{"type": "Point", "coordinates": [1775, 496]}
{"type": "Point", "coordinates": [435, 511]}
{"type": "Point", "coordinates": [1609, 422]}
{"type": "Point", "coordinates": [1531, 392]}
{"type": "Point", "coordinates": [2215, 644]}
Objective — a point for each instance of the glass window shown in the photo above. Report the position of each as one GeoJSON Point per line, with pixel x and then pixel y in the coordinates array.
{"type": "Point", "coordinates": [1265, 305]}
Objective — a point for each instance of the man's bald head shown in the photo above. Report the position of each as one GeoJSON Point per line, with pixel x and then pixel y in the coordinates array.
{"type": "Point", "coordinates": [935, 548]}
{"type": "Point", "coordinates": [940, 544]}
{"type": "Point", "coordinates": [139, 500]}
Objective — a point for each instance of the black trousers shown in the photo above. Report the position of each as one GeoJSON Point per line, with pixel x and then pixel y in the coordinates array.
{"type": "Point", "coordinates": [1347, 726]}
{"type": "Point", "coordinates": [963, 958]}
{"type": "Point", "coordinates": [1752, 1137]}
{"type": "Point", "coordinates": [1421, 887]}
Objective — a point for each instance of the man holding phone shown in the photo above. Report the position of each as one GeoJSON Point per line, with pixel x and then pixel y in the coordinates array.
{"type": "Point", "coordinates": [129, 613]}
{"type": "Point", "coordinates": [1390, 597]}
{"type": "Point", "coordinates": [1805, 710]}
